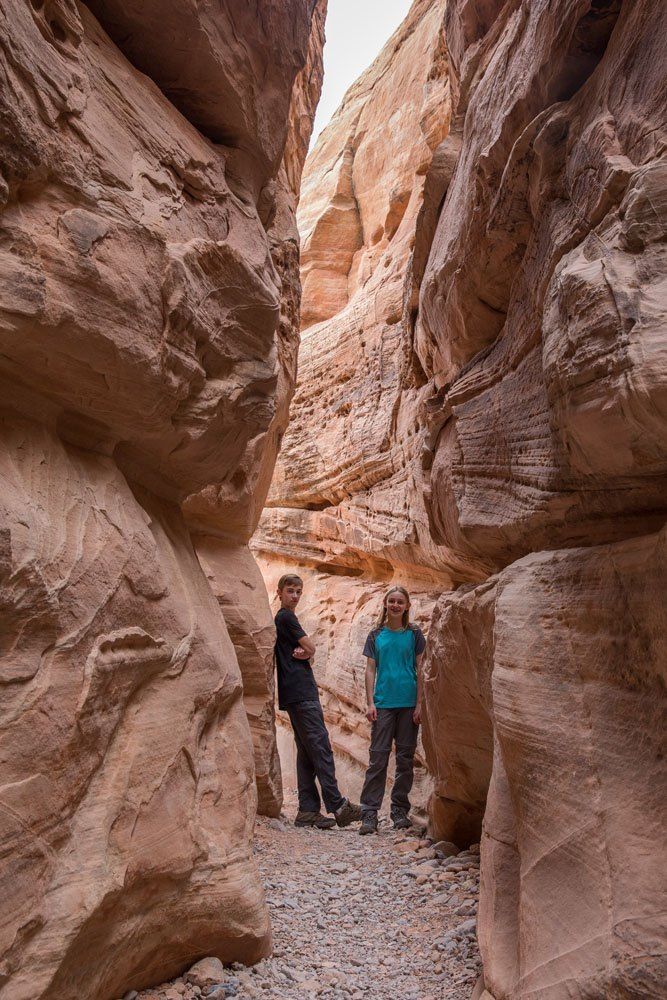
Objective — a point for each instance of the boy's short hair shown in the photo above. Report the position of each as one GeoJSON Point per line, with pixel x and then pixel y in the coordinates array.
{"type": "Point", "coordinates": [288, 578]}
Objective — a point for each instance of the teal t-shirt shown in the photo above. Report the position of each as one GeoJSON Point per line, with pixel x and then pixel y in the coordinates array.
{"type": "Point", "coordinates": [395, 656]}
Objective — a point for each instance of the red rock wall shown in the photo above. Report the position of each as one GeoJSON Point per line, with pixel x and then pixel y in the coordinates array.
{"type": "Point", "coordinates": [541, 327]}
{"type": "Point", "coordinates": [142, 292]}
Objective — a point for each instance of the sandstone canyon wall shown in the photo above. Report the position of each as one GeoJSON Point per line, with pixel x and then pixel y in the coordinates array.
{"type": "Point", "coordinates": [345, 507]}
{"type": "Point", "coordinates": [541, 327]}
{"type": "Point", "coordinates": [147, 315]}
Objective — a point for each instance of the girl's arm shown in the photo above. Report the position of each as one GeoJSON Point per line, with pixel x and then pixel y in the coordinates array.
{"type": "Point", "coordinates": [417, 714]}
{"type": "Point", "coordinates": [371, 710]}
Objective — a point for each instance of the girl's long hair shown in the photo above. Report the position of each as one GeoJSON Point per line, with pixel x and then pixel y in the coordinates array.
{"type": "Point", "coordinates": [406, 614]}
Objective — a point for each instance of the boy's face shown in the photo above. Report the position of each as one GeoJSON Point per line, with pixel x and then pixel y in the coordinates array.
{"type": "Point", "coordinates": [290, 595]}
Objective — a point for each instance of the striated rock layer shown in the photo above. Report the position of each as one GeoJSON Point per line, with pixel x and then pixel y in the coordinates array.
{"type": "Point", "coordinates": [345, 507]}
{"type": "Point", "coordinates": [541, 327]}
{"type": "Point", "coordinates": [147, 269]}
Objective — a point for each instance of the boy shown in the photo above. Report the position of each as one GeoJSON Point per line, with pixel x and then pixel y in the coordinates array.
{"type": "Point", "coordinates": [299, 697]}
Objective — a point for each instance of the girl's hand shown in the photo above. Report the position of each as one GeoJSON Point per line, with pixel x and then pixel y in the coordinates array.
{"type": "Point", "coordinates": [300, 653]}
{"type": "Point", "coordinates": [372, 713]}
{"type": "Point", "coordinates": [417, 715]}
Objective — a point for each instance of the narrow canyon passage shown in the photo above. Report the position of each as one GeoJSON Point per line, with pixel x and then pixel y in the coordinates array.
{"type": "Point", "coordinates": [355, 918]}
{"type": "Point", "coordinates": [469, 268]}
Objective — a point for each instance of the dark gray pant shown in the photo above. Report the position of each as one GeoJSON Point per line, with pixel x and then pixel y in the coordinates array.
{"type": "Point", "coordinates": [314, 758]}
{"type": "Point", "coordinates": [392, 724]}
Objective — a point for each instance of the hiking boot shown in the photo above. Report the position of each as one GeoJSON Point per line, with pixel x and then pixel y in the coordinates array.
{"type": "Point", "coordinates": [348, 813]}
{"type": "Point", "coordinates": [369, 823]}
{"type": "Point", "coordinates": [400, 820]}
{"type": "Point", "coordinates": [314, 819]}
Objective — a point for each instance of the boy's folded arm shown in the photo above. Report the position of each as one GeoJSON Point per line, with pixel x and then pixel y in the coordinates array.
{"type": "Point", "coordinates": [307, 645]}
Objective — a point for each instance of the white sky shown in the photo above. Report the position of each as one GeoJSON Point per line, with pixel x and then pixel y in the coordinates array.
{"type": "Point", "coordinates": [356, 30]}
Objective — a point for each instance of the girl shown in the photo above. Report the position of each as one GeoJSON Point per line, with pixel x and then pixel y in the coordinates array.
{"type": "Point", "coordinates": [394, 651]}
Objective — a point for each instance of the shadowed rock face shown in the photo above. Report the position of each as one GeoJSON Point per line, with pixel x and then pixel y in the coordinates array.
{"type": "Point", "coordinates": [541, 328]}
{"type": "Point", "coordinates": [143, 290]}
{"type": "Point", "coordinates": [345, 505]}
{"type": "Point", "coordinates": [238, 94]}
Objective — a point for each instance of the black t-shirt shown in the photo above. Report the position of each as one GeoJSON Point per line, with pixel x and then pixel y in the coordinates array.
{"type": "Point", "coordinates": [295, 677]}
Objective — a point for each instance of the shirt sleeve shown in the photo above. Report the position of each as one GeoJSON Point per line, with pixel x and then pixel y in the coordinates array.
{"type": "Point", "coordinates": [369, 647]}
{"type": "Point", "coordinates": [420, 642]}
{"type": "Point", "coordinates": [290, 627]}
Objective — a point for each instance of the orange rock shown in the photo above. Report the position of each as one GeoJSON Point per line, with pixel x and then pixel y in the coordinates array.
{"type": "Point", "coordinates": [572, 689]}
{"type": "Point", "coordinates": [147, 274]}
{"type": "Point", "coordinates": [541, 331]}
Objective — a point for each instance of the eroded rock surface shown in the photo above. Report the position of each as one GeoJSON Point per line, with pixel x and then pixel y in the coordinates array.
{"type": "Point", "coordinates": [141, 297]}
{"type": "Point", "coordinates": [561, 656]}
{"type": "Point", "coordinates": [541, 327]}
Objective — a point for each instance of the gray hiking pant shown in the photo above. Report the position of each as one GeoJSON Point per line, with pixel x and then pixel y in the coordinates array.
{"type": "Point", "coordinates": [392, 725]}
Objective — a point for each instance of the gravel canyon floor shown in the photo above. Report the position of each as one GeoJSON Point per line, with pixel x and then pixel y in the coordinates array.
{"type": "Point", "coordinates": [371, 917]}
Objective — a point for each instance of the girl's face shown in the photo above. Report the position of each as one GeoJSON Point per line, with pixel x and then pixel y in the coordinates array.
{"type": "Point", "coordinates": [396, 604]}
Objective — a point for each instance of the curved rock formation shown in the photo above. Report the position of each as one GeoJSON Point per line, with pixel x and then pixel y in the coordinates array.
{"type": "Point", "coordinates": [146, 270]}
{"type": "Point", "coordinates": [345, 506]}
{"type": "Point", "coordinates": [542, 329]}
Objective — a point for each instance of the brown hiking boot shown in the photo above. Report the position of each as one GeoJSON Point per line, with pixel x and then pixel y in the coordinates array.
{"type": "Point", "coordinates": [348, 813]}
{"type": "Point", "coordinates": [401, 820]}
{"type": "Point", "coordinates": [369, 823]}
{"type": "Point", "coordinates": [314, 819]}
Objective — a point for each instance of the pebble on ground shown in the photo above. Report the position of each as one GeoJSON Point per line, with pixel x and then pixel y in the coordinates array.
{"type": "Point", "coordinates": [389, 915]}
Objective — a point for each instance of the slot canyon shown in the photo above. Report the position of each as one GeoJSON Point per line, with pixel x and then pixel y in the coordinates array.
{"type": "Point", "coordinates": [432, 352]}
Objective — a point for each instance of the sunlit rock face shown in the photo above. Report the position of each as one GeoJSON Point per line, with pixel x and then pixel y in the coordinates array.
{"type": "Point", "coordinates": [141, 297]}
{"type": "Point", "coordinates": [541, 328]}
{"type": "Point", "coordinates": [346, 504]}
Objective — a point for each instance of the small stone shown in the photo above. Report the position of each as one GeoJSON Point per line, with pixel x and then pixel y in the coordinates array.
{"type": "Point", "coordinates": [441, 898]}
{"type": "Point", "coordinates": [467, 927]}
{"type": "Point", "coordinates": [131, 995]}
{"type": "Point", "coordinates": [310, 984]}
{"type": "Point", "coordinates": [207, 972]}
{"type": "Point", "coordinates": [446, 848]}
